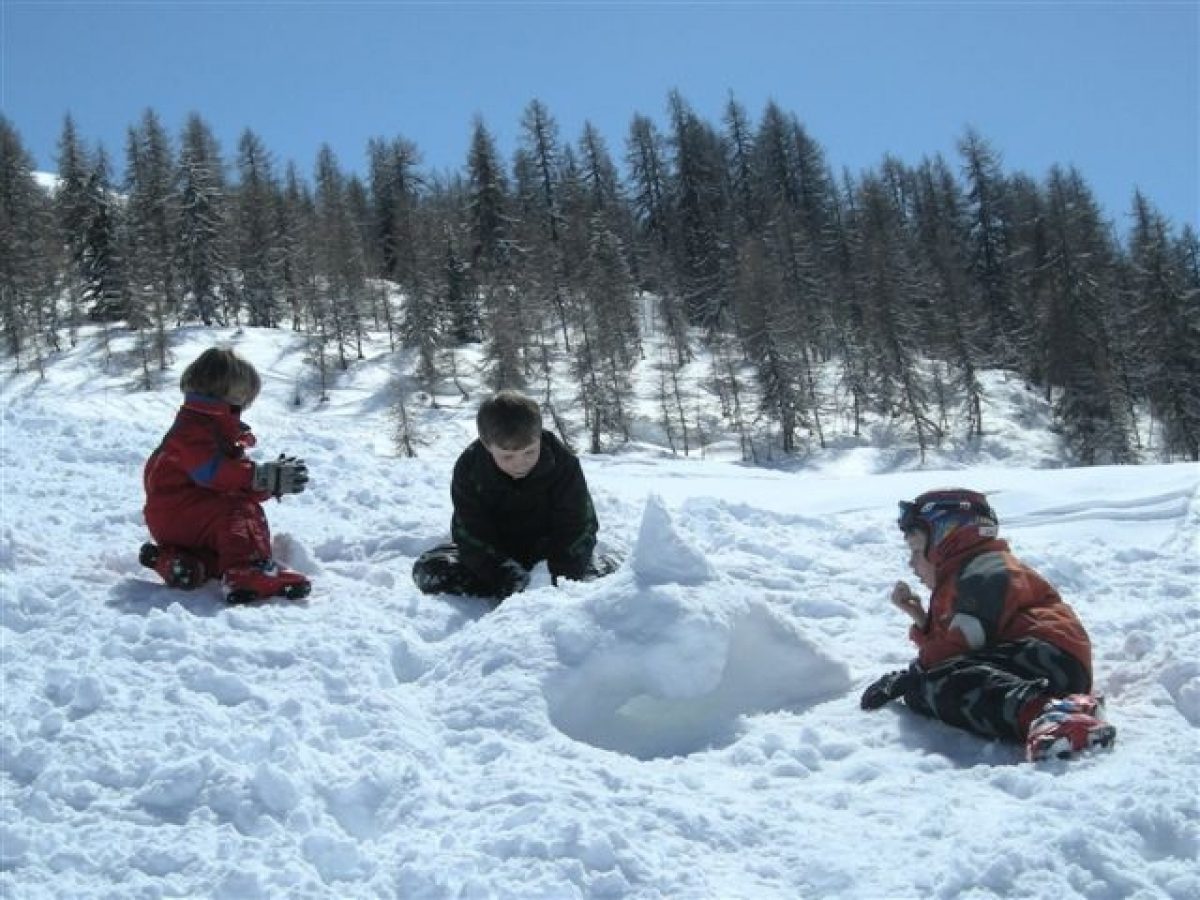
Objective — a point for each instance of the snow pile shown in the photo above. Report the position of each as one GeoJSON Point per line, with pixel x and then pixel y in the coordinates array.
{"type": "Point", "coordinates": [655, 670]}
{"type": "Point", "coordinates": [686, 728]}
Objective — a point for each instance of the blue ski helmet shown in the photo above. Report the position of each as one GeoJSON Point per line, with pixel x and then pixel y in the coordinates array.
{"type": "Point", "coordinates": [948, 511]}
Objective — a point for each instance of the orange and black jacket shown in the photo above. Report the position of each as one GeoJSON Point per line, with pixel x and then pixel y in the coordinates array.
{"type": "Point", "coordinates": [986, 596]}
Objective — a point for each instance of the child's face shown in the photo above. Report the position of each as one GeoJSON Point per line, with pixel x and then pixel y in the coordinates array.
{"type": "Point", "coordinates": [922, 567]}
{"type": "Point", "coordinates": [516, 463]}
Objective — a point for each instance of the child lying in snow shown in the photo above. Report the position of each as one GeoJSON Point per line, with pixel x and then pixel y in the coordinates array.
{"type": "Point", "coordinates": [204, 498]}
{"type": "Point", "coordinates": [999, 653]}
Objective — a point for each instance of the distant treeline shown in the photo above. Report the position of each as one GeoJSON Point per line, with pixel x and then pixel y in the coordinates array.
{"type": "Point", "coordinates": [904, 280]}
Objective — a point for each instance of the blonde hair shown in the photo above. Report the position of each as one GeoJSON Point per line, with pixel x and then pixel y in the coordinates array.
{"type": "Point", "coordinates": [509, 420]}
{"type": "Point", "coordinates": [221, 373]}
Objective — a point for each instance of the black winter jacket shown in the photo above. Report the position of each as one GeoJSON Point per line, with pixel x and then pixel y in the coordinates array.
{"type": "Point", "coordinates": [547, 515]}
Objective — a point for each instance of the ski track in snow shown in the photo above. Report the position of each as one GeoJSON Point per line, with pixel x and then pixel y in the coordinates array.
{"type": "Point", "coordinates": [686, 728]}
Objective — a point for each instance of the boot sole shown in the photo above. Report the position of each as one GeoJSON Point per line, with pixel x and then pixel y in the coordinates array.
{"type": "Point", "coordinates": [291, 592]}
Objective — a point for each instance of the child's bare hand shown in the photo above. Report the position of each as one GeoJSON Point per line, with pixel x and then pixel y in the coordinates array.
{"type": "Point", "coordinates": [909, 603]}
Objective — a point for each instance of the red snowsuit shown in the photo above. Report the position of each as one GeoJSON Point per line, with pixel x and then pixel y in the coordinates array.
{"type": "Point", "coordinates": [198, 488]}
{"type": "Point", "coordinates": [986, 596]}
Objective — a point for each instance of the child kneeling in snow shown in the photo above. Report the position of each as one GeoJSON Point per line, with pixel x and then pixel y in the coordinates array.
{"type": "Point", "coordinates": [519, 497]}
{"type": "Point", "coordinates": [999, 653]}
{"type": "Point", "coordinates": [204, 497]}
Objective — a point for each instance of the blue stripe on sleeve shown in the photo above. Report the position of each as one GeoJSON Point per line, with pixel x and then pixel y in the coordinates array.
{"type": "Point", "coordinates": [206, 473]}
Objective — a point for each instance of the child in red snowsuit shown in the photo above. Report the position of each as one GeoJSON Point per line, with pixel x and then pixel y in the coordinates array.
{"type": "Point", "coordinates": [204, 497]}
{"type": "Point", "coordinates": [998, 651]}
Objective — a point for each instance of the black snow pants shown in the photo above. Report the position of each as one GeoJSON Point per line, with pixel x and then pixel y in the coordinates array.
{"type": "Point", "coordinates": [985, 691]}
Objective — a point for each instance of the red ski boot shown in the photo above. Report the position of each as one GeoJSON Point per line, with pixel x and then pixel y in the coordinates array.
{"type": "Point", "coordinates": [245, 584]}
{"type": "Point", "coordinates": [177, 567]}
{"type": "Point", "coordinates": [1067, 727]}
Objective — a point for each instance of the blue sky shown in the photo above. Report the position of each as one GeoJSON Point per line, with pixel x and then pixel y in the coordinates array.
{"type": "Point", "coordinates": [1112, 88]}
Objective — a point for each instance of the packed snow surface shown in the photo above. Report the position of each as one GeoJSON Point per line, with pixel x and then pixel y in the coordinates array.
{"type": "Point", "coordinates": [685, 728]}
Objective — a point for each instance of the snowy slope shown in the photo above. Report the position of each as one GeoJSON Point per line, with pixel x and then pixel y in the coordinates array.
{"type": "Point", "coordinates": [687, 728]}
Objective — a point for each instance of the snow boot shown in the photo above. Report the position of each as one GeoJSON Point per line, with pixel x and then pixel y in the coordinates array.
{"type": "Point", "coordinates": [1068, 726]}
{"type": "Point", "coordinates": [258, 581]}
{"type": "Point", "coordinates": [177, 567]}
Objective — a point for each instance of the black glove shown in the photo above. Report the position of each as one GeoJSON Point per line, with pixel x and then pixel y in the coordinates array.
{"type": "Point", "coordinates": [887, 688]}
{"type": "Point", "coordinates": [286, 475]}
{"type": "Point", "coordinates": [601, 564]}
{"type": "Point", "coordinates": [514, 577]}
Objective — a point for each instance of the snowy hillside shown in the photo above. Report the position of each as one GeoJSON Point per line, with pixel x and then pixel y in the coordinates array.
{"type": "Point", "coordinates": [686, 728]}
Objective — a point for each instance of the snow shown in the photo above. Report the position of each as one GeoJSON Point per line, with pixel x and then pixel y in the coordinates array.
{"type": "Point", "coordinates": [47, 181]}
{"type": "Point", "coordinates": [685, 728]}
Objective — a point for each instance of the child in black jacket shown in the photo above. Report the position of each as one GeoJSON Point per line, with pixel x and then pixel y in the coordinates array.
{"type": "Point", "coordinates": [519, 497]}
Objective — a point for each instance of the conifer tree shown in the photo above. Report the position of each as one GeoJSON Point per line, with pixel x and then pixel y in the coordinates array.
{"type": "Point", "coordinates": [394, 189]}
{"type": "Point", "coordinates": [153, 223]}
{"type": "Point", "coordinates": [1030, 268]}
{"type": "Point", "coordinates": [793, 192]}
{"type": "Point", "coordinates": [203, 223]}
{"type": "Point", "coordinates": [1186, 255]}
{"type": "Point", "coordinates": [492, 259]}
{"type": "Point", "coordinates": [608, 259]}
{"type": "Point", "coordinates": [770, 337]}
{"type": "Point", "coordinates": [990, 248]}
{"type": "Point", "coordinates": [650, 201]}
{"type": "Point", "coordinates": [894, 294]}
{"type": "Point", "coordinates": [739, 146]}
{"type": "Point", "coordinates": [815, 186]}
{"type": "Point", "coordinates": [849, 316]}
{"type": "Point", "coordinates": [699, 210]}
{"type": "Point", "coordinates": [256, 239]}
{"type": "Point", "coordinates": [650, 192]}
{"type": "Point", "coordinates": [73, 211]}
{"type": "Point", "coordinates": [26, 306]}
{"type": "Point", "coordinates": [458, 297]}
{"type": "Point", "coordinates": [295, 225]}
{"type": "Point", "coordinates": [1165, 324]}
{"type": "Point", "coordinates": [340, 265]}
{"type": "Point", "coordinates": [371, 302]}
{"type": "Point", "coordinates": [953, 328]}
{"type": "Point", "coordinates": [422, 322]}
{"type": "Point", "coordinates": [1092, 408]}
{"type": "Point", "coordinates": [538, 171]}
{"type": "Point", "coordinates": [609, 331]}
{"type": "Point", "coordinates": [102, 256]}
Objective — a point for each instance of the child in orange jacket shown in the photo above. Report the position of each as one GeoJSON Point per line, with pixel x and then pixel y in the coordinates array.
{"type": "Point", "coordinates": [204, 497]}
{"type": "Point", "coordinates": [998, 651]}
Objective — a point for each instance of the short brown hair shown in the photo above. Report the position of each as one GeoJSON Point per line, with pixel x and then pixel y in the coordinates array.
{"type": "Point", "coordinates": [509, 420]}
{"type": "Point", "coordinates": [221, 373]}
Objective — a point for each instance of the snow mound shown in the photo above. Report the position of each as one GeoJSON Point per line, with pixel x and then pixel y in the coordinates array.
{"type": "Point", "coordinates": [668, 663]}
{"type": "Point", "coordinates": [661, 556]}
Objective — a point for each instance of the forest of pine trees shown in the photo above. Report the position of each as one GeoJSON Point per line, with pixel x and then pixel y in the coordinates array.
{"type": "Point", "coordinates": [906, 281]}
